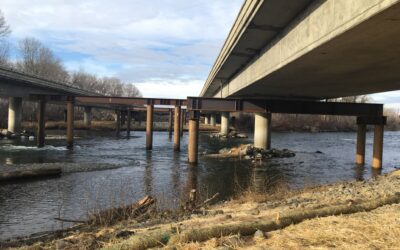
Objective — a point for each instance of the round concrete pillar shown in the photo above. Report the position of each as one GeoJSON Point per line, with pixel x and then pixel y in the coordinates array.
{"type": "Point", "coordinates": [225, 123]}
{"type": "Point", "coordinates": [70, 124]}
{"type": "Point", "coordinates": [378, 146]}
{"type": "Point", "coordinates": [206, 120]}
{"type": "Point", "coordinates": [14, 114]}
{"type": "Point", "coordinates": [87, 116]}
{"type": "Point", "coordinates": [213, 120]}
{"type": "Point", "coordinates": [262, 130]}
{"type": "Point", "coordinates": [193, 143]}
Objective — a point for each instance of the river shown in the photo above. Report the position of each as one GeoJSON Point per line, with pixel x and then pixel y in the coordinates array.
{"type": "Point", "coordinates": [28, 207]}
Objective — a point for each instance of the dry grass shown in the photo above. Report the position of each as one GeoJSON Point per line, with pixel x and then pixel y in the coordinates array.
{"type": "Point", "coordinates": [378, 229]}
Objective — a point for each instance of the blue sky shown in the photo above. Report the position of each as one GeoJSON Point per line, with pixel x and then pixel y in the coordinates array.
{"type": "Point", "coordinates": [165, 47]}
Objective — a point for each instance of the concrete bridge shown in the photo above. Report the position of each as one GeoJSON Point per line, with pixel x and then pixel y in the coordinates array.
{"type": "Point", "coordinates": [283, 53]}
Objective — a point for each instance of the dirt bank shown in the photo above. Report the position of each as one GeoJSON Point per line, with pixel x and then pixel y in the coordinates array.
{"type": "Point", "coordinates": [356, 215]}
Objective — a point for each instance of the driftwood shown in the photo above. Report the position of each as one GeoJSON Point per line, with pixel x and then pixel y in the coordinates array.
{"type": "Point", "coordinates": [113, 215]}
{"type": "Point", "coordinates": [70, 220]}
{"type": "Point", "coordinates": [158, 238]}
{"type": "Point", "coordinates": [13, 173]}
{"type": "Point", "coordinates": [208, 200]}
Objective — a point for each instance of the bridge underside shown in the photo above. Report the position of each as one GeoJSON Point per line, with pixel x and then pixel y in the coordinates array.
{"type": "Point", "coordinates": [312, 61]}
{"type": "Point", "coordinates": [361, 61]}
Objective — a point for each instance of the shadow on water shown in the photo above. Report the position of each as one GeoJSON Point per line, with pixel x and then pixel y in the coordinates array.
{"type": "Point", "coordinates": [29, 207]}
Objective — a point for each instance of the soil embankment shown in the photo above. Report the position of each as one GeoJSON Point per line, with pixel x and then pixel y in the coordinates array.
{"type": "Point", "coordinates": [354, 214]}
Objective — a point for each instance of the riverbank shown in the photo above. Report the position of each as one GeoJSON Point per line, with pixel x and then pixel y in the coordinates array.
{"type": "Point", "coordinates": [353, 214]}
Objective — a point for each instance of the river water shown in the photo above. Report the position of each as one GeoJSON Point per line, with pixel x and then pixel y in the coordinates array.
{"type": "Point", "coordinates": [28, 207]}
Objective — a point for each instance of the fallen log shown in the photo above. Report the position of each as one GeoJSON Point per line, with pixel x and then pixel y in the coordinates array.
{"type": "Point", "coordinates": [112, 215]}
{"type": "Point", "coordinates": [281, 221]}
{"type": "Point", "coordinates": [158, 238]}
{"type": "Point", "coordinates": [8, 173]}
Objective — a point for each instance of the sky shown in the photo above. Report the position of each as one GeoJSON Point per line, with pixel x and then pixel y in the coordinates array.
{"type": "Point", "coordinates": [165, 47]}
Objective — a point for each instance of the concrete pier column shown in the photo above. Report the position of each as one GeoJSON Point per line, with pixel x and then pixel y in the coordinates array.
{"type": "Point", "coordinates": [70, 123]}
{"type": "Point", "coordinates": [177, 128]}
{"type": "Point", "coordinates": [170, 121]}
{"type": "Point", "coordinates": [128, 123]}
{"type": "Point", "coordinates": [14, 114]}
{"type": "Point", "coordinates": [183, 121]}
{"type": "Point", "coordinates": [206, 120]}
{"type": "Point", "coordinates": [149, 127]}
{"type": "Point", "coordinates": [123, 118]}
{"type": "Point", "coordinates": [361, 134]}
{"type": "Point", "coordinates": [378, 146]}
{"type": "Point", "coordinates": [193, 144]}
{"type": "Point", "coordinates": [118, 122]}
{"type": "Point", "coordinates": [262, 130]}
{"type": "Point", "coordinates": [87, 116]}
{"type": "Point", "coordinates": [213, 120]}
{"type": "Point", "coordinates": [225, 123]}
{"type": "Point", "coordinates": [41, 122]}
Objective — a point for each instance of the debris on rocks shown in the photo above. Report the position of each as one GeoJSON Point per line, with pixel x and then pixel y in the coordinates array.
{"type": "Point", "coordinates": [231, 134]}
{"type": "Point", "coordinates": [249, 152]}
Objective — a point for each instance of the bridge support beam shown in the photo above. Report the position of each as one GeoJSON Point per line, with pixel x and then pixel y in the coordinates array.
{"type": "Point", "coordinates": [193, 146]}
{"type": "Point", "coordinates": [70, 123]}
{"type": "Point", "coordinates": [224, 123]}
{"type": "Point", "coordinates": [128, 123]}
{"type": "Point", "coordinates": [213, 120]}
{"type": "Point", "coordinates": [87, 116]}
{"type": "Point", "coordinates": [361, 135]}
{"type": "Point", "coordinates": [41, 122]}
{"type": "Point", "coordinates": [177, 128]}
{"type": "Point", "coordinates": [378, 147]}
{"type": "Point", "coordinates": [14, 114]}
{"type": "Point", "coordinates": [262, 130]}
{"type": "Point", "coordinates": [170, 122]}
{"type": "Point", "coordinates": [149, 127]}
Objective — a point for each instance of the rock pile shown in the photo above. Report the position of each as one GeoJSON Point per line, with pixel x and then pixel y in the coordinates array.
{"type": "Point", "coordinates": [232, 134]}
{"type": "Point", "coordinates": [5, 134]}
{"type": "Point", "coordinates": [249, 152]}
{"type": "Point", "coordinates": [252, 153]}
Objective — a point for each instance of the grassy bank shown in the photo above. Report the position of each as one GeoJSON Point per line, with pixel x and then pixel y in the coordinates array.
{"type": "Point", "coordinates": [356, 215]}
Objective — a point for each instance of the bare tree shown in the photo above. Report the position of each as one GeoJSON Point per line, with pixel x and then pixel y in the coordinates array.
{"type": "Point", "coordinates": [4, 45]}
{"type": "Point", "coordinates": [4, 53]}
{"type": "Point", "coordinates": [4, 27]}
{"type": "Point", "coordinates": [38, 60]}
{"type": "Point", "coordinates": [131, 90]}
{"type": "Point", "coordinates": [111, 86]}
